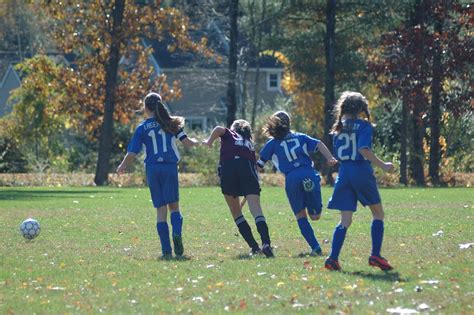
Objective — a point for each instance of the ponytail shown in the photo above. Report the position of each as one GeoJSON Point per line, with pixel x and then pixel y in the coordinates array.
{"type": "Point", "coordinates": [168, 123]}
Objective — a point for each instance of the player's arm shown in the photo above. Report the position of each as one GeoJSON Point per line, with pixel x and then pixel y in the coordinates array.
{"type": "Point", "coordinates": [127, 160]}
{"type": "Point", "coordinates": [369, 155]}
{"type": "Point", "coordinates": [189, 142]}
{"type": "Point", "coordinates": [265, 155]}
{"type": "Point", "coordinates": [216, 133]}
{"type": "Point", "coordinates": [331, 160]}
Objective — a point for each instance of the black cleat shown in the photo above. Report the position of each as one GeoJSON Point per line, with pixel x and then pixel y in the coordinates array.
{"type": "Point", "coordinates": [178, 245]}
{"type": "Point", "coordinates": [267, 250]}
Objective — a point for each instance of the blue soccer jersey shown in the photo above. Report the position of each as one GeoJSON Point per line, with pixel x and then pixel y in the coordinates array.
{"type": "Point", "coordinates": [160, 146]}
{"type": "Point", "coordinates": [356, 134]}
{"type": "Point", "coordinates": [290, 152]}
{"type": "Point", "coordinates": [355, 181]}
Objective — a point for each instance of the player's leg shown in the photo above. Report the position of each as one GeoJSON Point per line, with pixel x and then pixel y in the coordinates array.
{"type": "Point", "coordinates": [177, 224]}
{"type": "Point", "coordinates": [260, 221]}
{"type": "Point", "coordinates": [377, 231]}
{"type": "Point", "coordinates": [242, 224]}
{"type": "Point", "coordinates": [163, 230]}
{"type": "Point", "coordinates": [308, 233]}
{"type": "Point", "coordinates": [332, 262]}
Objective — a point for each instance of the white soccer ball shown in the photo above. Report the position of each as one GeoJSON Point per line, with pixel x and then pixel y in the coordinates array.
{"type": "Point", "coordinates": [30, 228]}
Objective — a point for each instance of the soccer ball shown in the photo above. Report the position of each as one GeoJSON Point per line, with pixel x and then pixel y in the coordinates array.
{"type": "Point", "coordinates": [30, 228]}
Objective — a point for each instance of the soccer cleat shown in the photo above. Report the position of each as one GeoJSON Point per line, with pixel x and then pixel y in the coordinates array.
{"type": "Point", "coordinates": [167, 256]}
{"type": "Point", "coordinates": [178, 245]}
{"type": "Point", "coordinates": [380, 262]}
{"type": "Point", "coordinates": [267, 250]}
{"type": "Point", "coordinates": [255, 251]}
{"type": "Point", "coordinates": [316, 252]}
{"type": "Point", "coordinates": [332, 264]}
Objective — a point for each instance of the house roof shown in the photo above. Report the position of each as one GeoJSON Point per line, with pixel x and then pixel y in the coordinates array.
{"type": "Point", "coordinates": [217, 41]}
{"type": "Point", "coordinates": [10, 71]}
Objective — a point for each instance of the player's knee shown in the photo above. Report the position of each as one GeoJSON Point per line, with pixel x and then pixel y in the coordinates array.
{"type": "Point", "coordinates": [315, 217]}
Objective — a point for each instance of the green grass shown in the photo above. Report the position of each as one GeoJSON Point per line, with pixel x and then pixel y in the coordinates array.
{"type": "Point", "coordinates": [98, 252]}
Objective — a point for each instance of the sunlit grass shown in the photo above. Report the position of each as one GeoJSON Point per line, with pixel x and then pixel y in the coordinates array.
{"type": "Point", "coordinates": [98, 252]}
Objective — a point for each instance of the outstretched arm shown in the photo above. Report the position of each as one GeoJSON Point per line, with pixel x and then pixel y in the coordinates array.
{"type": "Point", "coordinates": [369, 155]}
{"type": "Point", "coordinates": [216, 133]}
{"type": "Point", "coordinates": [189, 142]}
{"type": "Point", "coordinates": [127, 160]}
{"type": "Point", "coordinates": [325, 152]}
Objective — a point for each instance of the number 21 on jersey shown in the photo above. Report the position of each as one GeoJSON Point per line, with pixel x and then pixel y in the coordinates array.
{"type": "Point", "coordinates": [349, 142]}
{"type": "Point", "coordinates": [153, 139]}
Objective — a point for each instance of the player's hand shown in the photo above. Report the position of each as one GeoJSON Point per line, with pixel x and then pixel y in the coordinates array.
{"type": "Point", "coordinates": [121, 169]}
{"type": "Point", "coordinates": [332, 162]}
{"type": "Point", "coordinates": [388, 167]}
{"type": "Point", "coordinates": [207, 143]}
{"type": "Point", "coordinates": [260, 169]}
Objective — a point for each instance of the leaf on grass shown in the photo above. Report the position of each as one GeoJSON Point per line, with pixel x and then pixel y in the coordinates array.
{"type": "Point", "coordinates": [439, 233]}
{"type": "Point", "coordinates": [261, 273]}
{"type": "Point", "coordinates": [307, 265]}
{"type": "Point", "coordinates": [400, 310]}
{"type": "Point", "coordinates": [242, 305]}
{"type": "Point", "coordinates": [179, 289]}
{"type": "Point", "coordinates": [423, 307]}
{"type": "Point", "coordinates": [398, 290]}
{"type": "Point", "coordinates": [279, 284]}
{"type": "Point", "coordinates": [210, 266]}
{"type": "Point", "coordinates": [430, 281]}
{"type": "Point", "coordinates": [466, 246]}
{"type": "Point", "coordinates": [198, 299]}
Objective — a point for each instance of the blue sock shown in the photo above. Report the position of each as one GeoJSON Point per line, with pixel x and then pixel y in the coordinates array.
{"type": "Point", "coordinates": [377, 236]}
{"type": "Point", "coordinates": [176, 222]}
{"type": "Point", "coordinates": [337, 241]}
{"type": "Point", "coordinates": [164, 233]}
{"type": "Point", "coordinates": [308, 233]}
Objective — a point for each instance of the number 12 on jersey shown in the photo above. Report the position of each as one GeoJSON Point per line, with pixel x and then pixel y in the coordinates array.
{"type": "Point", "coordinates": [350, 142]}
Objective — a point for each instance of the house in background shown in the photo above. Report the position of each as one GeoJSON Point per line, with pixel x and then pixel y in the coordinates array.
{"type": "Point", "coordinates": [11, 80]}
{"type": "Point", "coordinates": [203, 82]}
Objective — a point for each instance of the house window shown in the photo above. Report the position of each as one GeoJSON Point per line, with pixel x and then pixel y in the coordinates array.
{"type": "Point", "coordinates": [196, 123]}
{"type": "Point", "coordinates": [273, 81]}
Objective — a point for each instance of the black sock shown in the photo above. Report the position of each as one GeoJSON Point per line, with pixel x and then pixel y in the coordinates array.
{"type": "Point", "coordinates": [246, 232]}
{"type": "Point", "coordinates": [262, 228]}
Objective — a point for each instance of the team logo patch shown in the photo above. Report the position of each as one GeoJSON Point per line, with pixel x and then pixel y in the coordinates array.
{"type": "Point", "coordinates": [308, 184]}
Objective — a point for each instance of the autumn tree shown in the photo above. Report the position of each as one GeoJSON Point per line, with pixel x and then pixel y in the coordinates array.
{"type": "Point", "coordinates": [108, 42]}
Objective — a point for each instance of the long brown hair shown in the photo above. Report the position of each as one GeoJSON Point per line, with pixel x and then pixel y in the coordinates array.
{"type": "Point", "coordinates": [278, 125]}
{"type": "Point", "coordinates": [171, 124]}
{"type": "Point", "coordinates": [242, 127]}
{"type": "Point", "coordinates": [349, 103]}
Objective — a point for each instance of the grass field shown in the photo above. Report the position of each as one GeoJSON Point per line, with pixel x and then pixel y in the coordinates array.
{"type": "Point", "coordinates": [98, 252]}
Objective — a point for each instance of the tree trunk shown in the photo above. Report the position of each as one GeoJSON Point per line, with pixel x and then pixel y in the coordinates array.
{"type": "Point", "coordinates": [111, 74]}
{"type": "Point", "coordinates": [256, 97]}
{"type": "Point", "coordinates": [417, 154]}
{"type": "Point", "coordinates": [435, 154]}
{"type": "Point", "coordinates": [329, 98]}
{"type": "Point", "coordinates": [231, 89]}
{"type": "Point", "coordinates": [403, 145]}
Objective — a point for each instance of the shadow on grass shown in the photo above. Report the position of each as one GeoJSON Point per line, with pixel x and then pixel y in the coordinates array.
{"type": "Point", "coordinates": [13, 194]}
{"type": "Point", "coordinates": [388, 276]}
{"type": "Point", "coordinates": [183, 258]}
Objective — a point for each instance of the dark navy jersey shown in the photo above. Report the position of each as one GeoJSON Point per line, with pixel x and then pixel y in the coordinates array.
{"type": "Point", "coordinates": [290, 152]}
{"type": "Point", "coordinates": [160, 146]}
{"type": "Point", "coordinates": [234, 145]}
{"type": "Point", "coordinates": [356, 134]}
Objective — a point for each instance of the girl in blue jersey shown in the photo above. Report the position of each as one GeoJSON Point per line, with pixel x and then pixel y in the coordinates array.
{"type": "Point", "coordinates": [289, 152]}
{"type": "Point", "coordinates": [352, 143]}
{"type": "Point", "coordinates": [158, 134]}
{"type": "Point", "coordinates": [238, 177]}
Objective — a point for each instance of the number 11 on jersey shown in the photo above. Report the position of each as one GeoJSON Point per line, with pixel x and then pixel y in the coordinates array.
{"type": "Point", "coordinates": [153, 139]}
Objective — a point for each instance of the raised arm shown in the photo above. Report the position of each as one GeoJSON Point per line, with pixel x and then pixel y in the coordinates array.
{"type": "Point", "coordinates": [216, 133]}
{"type": "Point", "coordinates": [325, 152]}
{"type": "Point", "coordinates": [369, 155]}
{"type": "Point", "coordinates": [127, 160]}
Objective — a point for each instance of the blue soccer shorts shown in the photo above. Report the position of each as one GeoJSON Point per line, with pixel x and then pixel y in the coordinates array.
{"type": "Point", "coordinates": [355, 182]}
{"type": "Point", "coordinates": [303, 189]}
{"type": "Point", "coordinates": [163, 182]}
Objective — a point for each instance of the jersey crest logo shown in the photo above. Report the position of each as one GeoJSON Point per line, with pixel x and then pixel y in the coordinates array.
{"type": "Point", "coordinates": [308, 184]}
